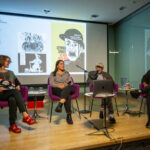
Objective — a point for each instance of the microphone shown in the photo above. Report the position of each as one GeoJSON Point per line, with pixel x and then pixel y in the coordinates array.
{"type": "Point", "coordinates": [81, 68]}
{"type": "Point", "coordinates": [69, 83]}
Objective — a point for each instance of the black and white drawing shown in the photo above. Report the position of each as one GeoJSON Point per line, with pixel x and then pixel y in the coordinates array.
{"type": "Point", "coordinates": [32, 63]}
{"type": "Point", "coordinates": [31, 42]}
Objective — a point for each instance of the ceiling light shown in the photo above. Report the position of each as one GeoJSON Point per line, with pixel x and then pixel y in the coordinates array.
{"type": "Point", "coordinates": [46, 11]}
{"type": "Point", "coordinates": [122, 8]}
{"type": "Point", "coordinates": [94, 16]}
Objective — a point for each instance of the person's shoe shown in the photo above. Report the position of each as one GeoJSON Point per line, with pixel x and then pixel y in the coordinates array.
{"type": "Point", "coordinates": [112, 119]}
{"type": "Point", "coordinates": [135, 94]}
{"type": "Point", "coordinates": [29, 120]}
{"type": "Point", "coordinates": [101, 115]}
{"type": "Point", "coordinates": [59, 107]}
{"type": "Point", "coordinates": [69, 119]}
{"type": "Point", "coordinates": [14, 128]}
{"type": "Point", "coordinates": [148, 124]}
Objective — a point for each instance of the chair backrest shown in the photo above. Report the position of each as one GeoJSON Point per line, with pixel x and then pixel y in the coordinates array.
{"type": "Point", "coordinates": [50, 93]}
{"type": "Point", "coordinates": [24, 93]}
{"type": "Point", "coordinates": [116, 88]}
{"type": "Point", "coordinates": [56, 98]}
{"type": "Point", "coordinates": [141, 86]}
{"type": "Point", "coordinates": [48, 82]}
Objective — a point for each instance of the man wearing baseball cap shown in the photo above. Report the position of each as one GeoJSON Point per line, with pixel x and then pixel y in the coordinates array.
{"type": "Point", "coordinates": [99, 74]}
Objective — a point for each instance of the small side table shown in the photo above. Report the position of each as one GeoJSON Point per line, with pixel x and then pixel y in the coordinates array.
{"type": "Point", "coordinates": [35, 94]}
{"type": "Point", "coordinates": [104, 129]}
{"type": "Point", "coordinates": [127, 101]}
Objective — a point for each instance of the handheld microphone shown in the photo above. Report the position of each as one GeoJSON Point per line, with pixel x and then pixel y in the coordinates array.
{"type": "Point", "coordinates": [69, 83]}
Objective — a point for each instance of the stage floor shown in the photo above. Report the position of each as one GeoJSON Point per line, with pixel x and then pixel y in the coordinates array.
{"type": "Point", "coordinates": [58, 135]}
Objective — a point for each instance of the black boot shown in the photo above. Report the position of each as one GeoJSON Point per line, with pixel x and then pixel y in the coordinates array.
{"type": "Point", "coordinates": [69, 119]}
{"type": "Point", "coordinates": [101, 115]}
{"type": "Point", "coordinates": [112, 118]}
{"type": "Point", "coordinates": [148, 124]}
{"type": "Point", "coordinates": [59, 107]}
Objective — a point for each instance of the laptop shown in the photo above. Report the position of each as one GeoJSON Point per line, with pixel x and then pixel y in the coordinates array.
{"type": "Point", "coordinates": [102, 87]}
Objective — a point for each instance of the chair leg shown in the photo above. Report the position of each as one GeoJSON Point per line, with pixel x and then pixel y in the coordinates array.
{"type": "Point", "coordinates": [90, 103]}
{"type": "Point", "coordinates": [72, 107]}
{"type": "Point", "coordinates": [91, 107]}
{"type": "Point", "coordinates": [26, 107]}
{"type": "Point", "coordinates": [144, 106]}
{"type": "Point", "coordinates": [116, 107]}
{"type": "Point", "coordinates": [48, 112]}
{"type": "Point", "coordinates": [140, 107]}
{"type": "Point", "coordinates": [51, 111]}
{"type": "Point", "coordinates": [78, 108]}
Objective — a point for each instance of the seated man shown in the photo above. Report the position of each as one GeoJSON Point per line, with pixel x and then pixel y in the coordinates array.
{"type": "Point", "coordinates": [99, 74]}
{"type": "Point", "coordinates": [146, 83]}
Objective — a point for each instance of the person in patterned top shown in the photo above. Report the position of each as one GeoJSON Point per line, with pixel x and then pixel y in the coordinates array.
{"type": "Point", "coordinates": [10, 91]}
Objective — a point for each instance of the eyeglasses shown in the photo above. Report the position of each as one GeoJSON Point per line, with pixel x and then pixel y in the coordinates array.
{"type": "Point", "coordinates": [9, 61]}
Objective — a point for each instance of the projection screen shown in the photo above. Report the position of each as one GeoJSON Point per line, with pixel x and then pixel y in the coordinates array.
{"type": "Point", "coordinates": [35, 44]}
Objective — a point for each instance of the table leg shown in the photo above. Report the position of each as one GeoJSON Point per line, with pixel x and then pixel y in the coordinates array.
{"type": "Point", "coordinates": [104, 130]}
{"type": "Point", "coordinates": [126, 105]}
{"type": "Point", "coordinates": [35, 113]}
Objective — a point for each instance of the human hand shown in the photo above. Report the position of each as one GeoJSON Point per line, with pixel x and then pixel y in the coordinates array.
{"type": "Point", "coordinates": [104, 78]}
{"type": "Point", "coordinates": [2, 89]}
{"type": "Point", "coordinates": [145, 84]}
{"type": "Point", "coordinates": [18, 88]}
{"type": "Point", "coordinates": [61, 86]}
{"type": "Point", "coordinates": [66, 84]}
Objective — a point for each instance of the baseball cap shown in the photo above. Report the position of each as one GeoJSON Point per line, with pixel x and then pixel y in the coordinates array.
{"type": "Point", "coordinates": [100, 65]}
{"type": "Point", "coordinates": [73, 34]}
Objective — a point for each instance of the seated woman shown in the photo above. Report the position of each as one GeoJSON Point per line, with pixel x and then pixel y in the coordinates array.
{"type": "Point", "coordinates": [10, 91]}
{"type": "Point", "coordinates": [61, 83]}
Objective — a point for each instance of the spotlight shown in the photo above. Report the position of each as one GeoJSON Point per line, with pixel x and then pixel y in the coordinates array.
{"type": "Point", "coordinates": [94, 16]}
{"type": "Point", "coordinates": [46, 11]}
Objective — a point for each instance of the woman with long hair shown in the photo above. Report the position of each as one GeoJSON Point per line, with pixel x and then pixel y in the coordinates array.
{"type": "Point", "coordinates": [61, 83]}
{"type": "Point", "coordinates": [10, 91]}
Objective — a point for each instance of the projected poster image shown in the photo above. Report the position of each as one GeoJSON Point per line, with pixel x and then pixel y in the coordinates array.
{"type": "Point", "coordinates": [32, 53]}
{"type": "Point", "coordinates": [147, 50]}
{"type": "Point", "coordinates": [70, 45]}
{"type": "Point", "coordinates": [31, 42]}
{"type": "Point", "coordinates": [32, 63]}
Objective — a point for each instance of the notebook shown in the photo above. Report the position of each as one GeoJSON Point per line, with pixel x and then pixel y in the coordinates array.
{"type": "Point", "coordinates": [102, 87]}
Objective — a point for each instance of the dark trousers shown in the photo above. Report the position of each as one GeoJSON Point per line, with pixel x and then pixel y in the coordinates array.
{"type": "Point", "coordinates": [108, 104]}
{"type": "Point", "coordinates": [64, 93]}
{"type": "Point", "coordinates": [147, 91]}
{"type": "Point", "coordinates": [14, 99]}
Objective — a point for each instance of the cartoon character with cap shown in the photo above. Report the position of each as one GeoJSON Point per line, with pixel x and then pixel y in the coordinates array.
{"type": "Point", "coordinates": [73, 43]}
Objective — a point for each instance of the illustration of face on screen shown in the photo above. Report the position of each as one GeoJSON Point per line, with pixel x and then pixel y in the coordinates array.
{"type": "Point", "coordinates": [73, 43]}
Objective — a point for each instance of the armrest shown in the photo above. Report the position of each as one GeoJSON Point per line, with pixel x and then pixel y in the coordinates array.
{"type": "Point", "coordinates": [24, 92]}
{"type": "Point", "coordinates": [76, 89]}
